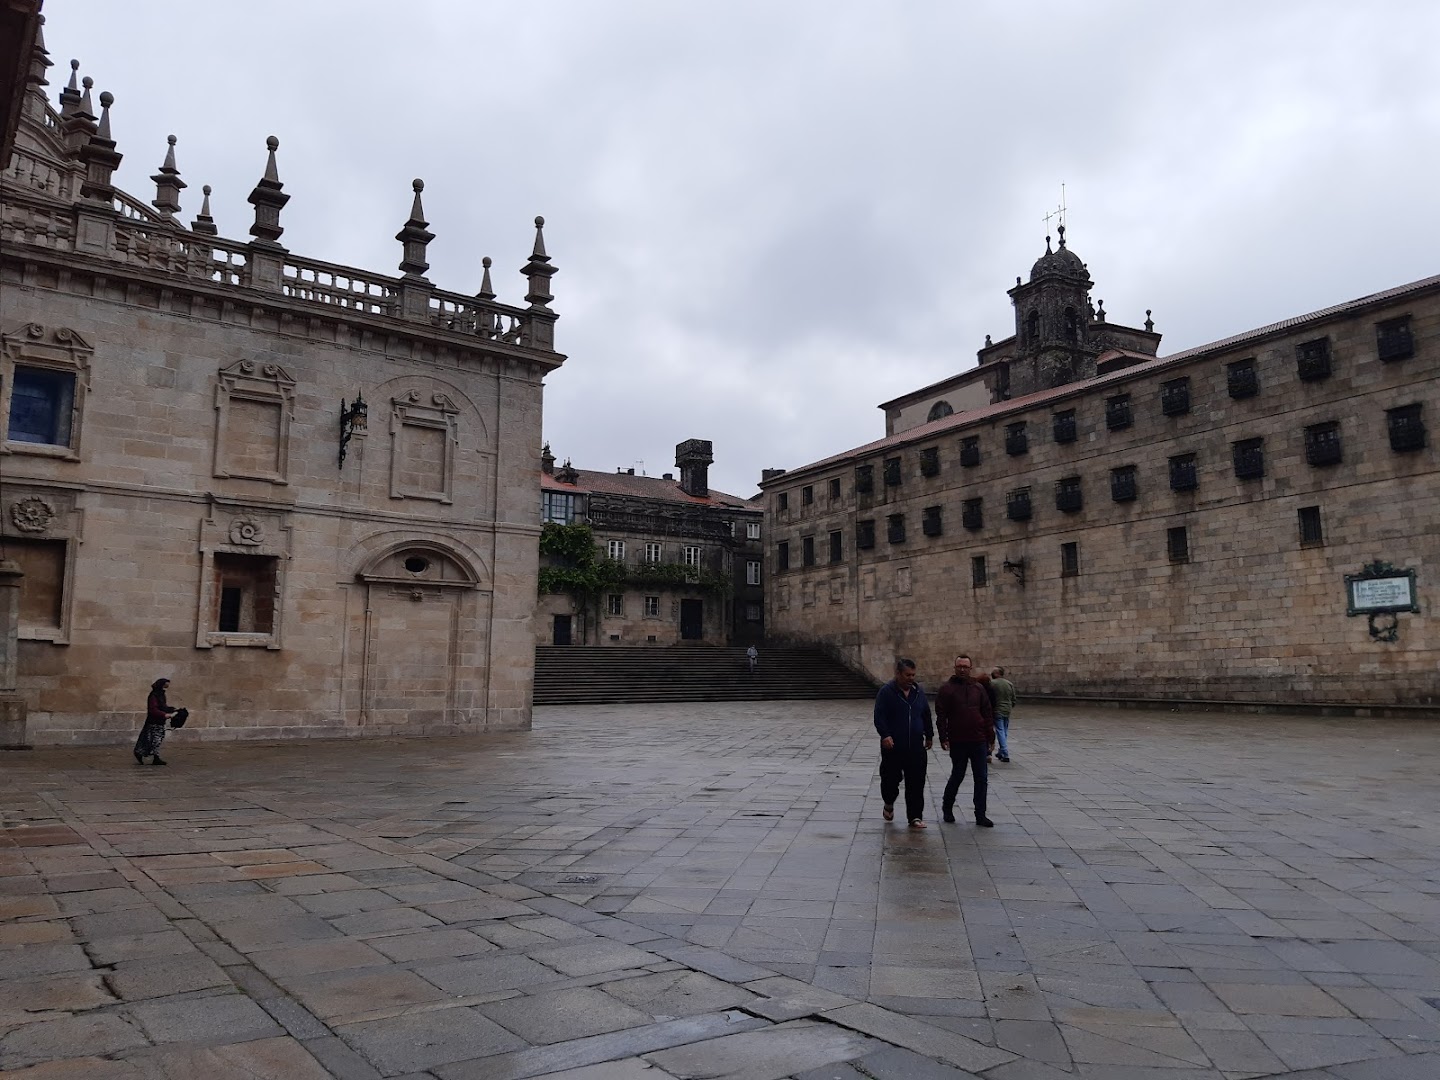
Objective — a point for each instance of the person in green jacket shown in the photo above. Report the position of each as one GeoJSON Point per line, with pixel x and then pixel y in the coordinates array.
{"type": "Point", "coordinates": [1004, 703]}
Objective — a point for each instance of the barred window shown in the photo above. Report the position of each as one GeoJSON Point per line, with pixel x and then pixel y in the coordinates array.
{"type": "Point", "coordinates": [1406, 427]}
{"type": "Point", "coordinates": [930, 461]}
{"type": "Point", "coordinates": [979, 575]}
{"type": "Point", "coordinates": [970, 450]}
{"type": "Point", "coordinates": [930, 523]}
{"type": "Point", "coordinates": [1067, 494]}
{"type": "Point", "coordinates": [807, 551]}
{"type": "Point", "coordinates": [1175, 396]}
{"type": "Point", "coordinates": [864, 479]}
{"type": "Point", "coordinates": [1117, 412]}
{"type": "Point", "coordinates": [1177, 544]}
{"type": "Point", "coordinates": [895, 528]}
{"type": "Point", "coordinates": [865, 534]}
{"type": "Point", "coordinates": [972, 513]}
{"type": "Point", "coordinates": [1069, 559]}
{"type": "Point", "coordinates": [1183, 474]}
{"type": "Point", "coordinates": [1393, 340]}
{"type": "Point", "coordinates": [1017, 504]}
{"type": "Point", "coordinates": [892, 472]}
{"type": "Point", "coordinates": [1017, 440]}
{"type": "Point", "coordinates": [1312, 359]}
{"type": "Point", "coordinates": [1123, 485]}
{"type": "Point", "coordinates": [1249, 458]}
{"type": "Point", "coordinates": [1322, 443]}
{"type": "Point", "coordinates": [1312, 534]}
{"type": "Point", "coordinates": [1242, 379]}
{"type": "Point", "coordinates": [1064, 426]}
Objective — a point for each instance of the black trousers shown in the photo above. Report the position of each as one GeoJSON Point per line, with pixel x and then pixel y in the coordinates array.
{"type": "Point", "coordinates": [973, 753]}
{"type": "Point", "coordinates": [908, 765]}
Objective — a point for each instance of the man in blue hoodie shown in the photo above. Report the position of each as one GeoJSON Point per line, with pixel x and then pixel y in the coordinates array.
{"type": "Point", "coordinates": [902, 718]}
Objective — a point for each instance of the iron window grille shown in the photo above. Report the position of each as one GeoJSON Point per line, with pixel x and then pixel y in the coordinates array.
{"type": "Point", "coordinates": [1177, 544]}
{"type": "Point", "coordinates": [1017, 504]}
{"type": "Point", "coordinates": [930, 461]}
{"type": "Point", "coordinates": [1123, 486]}
{"type": "Point", "coordinates": [972, 514]}
{"type": "Point", "coordinates": [807, 551]}
{"type": "Point", "coordinates": [1312, 359]}
{"type": "Point", "coordinates": [1242, 380]}
{"type": "Point", "coordinates": [1312, 533]}
{"type": "Point", "coordinates": [1406, 427]}
{"type": "Point", "coordinates": [865, 534]}
{"type": "Point", "coordinates": [782, 555]}
{"type": "Point", "coordinates": [834, 489]}
{"type": "Point", "coordinates": [1070, 559]}
{"type": "Point", "coordinates": [1117, 412]}
{"type": "Point", "coordinates": [1064, 426]}
{"type": "Point", "coordinates": [931, 523]}
{"type": "Point", "coordinates": [970, 450]}
{"type": "Point", "coordinates": [1183, 474]}
{"type": "Point", "coordinates": [892, 472]}
{"type": "Point", "coordinates": [837, 549]}
{"type": "Point", "coordinates": [1393, 340]}
{"type": "Point", "coordinates": [864, 479]}
{"type": "Point", "coordinates": [979, 576]}
{"type": "Point", "coordinates": [1067, 494]}
{"type": "Point", "coordinates": [807, 495]}
{"type": "Point", "coordinates": [895, 528]}
{"type": "Point", "coordinates": [1322, 443]}
{"type": "Point", "coordinates": [1017, 440]}
{"type": "Point", "coordinates": [1249, 458]}
{"type": "Point", "coordinates": [1175, 397]}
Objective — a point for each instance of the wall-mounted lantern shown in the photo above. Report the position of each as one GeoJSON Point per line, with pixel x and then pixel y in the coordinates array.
{"type": "Point", "coordinates": [352, 419]}
{"type": "Point", "coordinates": [1015, 567]}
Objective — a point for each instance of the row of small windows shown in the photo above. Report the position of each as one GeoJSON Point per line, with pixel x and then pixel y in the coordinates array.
{"type": "Point", "coordinates": [654, 553]}
{"type": "Point", "coordinates": [1242, 380]}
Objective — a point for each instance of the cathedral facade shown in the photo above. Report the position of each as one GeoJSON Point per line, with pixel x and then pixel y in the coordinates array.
{"type": "Point", "coordinates": [1252, 521]}
{"type": "Point", "coordinates": [300, 491]}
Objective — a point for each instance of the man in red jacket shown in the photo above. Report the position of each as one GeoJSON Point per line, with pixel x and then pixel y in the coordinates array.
{"type": "Point", "coordinates": [967, 728]}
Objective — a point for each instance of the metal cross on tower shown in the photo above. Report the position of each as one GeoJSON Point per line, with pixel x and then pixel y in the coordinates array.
{"type": "Point", "coordinates": [1058, 212]}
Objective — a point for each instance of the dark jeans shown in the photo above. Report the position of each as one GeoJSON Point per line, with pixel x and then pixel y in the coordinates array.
{"type": "Point", "coordinates": [974, 753]}
{"type": "Point", "coordinates": [898, 764]}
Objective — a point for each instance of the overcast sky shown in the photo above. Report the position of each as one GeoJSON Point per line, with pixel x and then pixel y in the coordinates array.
{"type": "Point", "coordinates": [769, 217]}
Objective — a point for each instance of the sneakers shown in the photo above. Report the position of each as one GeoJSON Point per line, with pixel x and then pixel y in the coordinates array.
{"type": "Point", "coordinates": [949, 817]}
{"type": "Point", "coordinates": [984, 822]}
{"type": "Point", "coordinates": [1003, 757]}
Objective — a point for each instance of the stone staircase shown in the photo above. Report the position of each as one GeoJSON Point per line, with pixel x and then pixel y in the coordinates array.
{"type": "Point", "coordinates": [620, 674]}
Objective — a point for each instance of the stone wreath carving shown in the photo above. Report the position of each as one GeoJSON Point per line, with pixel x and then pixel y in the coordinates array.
{"type": "Point", "coordinates": [247, 531]}
{"type": "Point", "coordinates": [32, 515]}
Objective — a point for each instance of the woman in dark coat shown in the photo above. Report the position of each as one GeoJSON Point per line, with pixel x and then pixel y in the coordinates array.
{"type": "Point", "coordinates": [157, 713]}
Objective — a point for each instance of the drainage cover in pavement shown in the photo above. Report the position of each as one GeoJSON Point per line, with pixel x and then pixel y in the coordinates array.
{"type": "Point", "coordinates": [580, 879]}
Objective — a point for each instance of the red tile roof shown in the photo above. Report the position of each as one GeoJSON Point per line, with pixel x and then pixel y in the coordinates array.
{"type": "Point", "coordinates": [590, 482]}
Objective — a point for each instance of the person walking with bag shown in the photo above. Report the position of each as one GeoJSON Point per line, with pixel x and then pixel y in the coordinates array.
{"type": "Point", "coordinates": [967, 727]}
{"type": "Point", "coordinates": [1004, 704]}
{"type": "Point", "coordinates": [157, 715]}
{"type": "Point", "coordinates": [902, 718]}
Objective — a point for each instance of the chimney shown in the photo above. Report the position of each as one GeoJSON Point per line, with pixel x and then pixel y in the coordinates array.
{"type": "Point", "coordinates": [629, 472]}
{"type": "Point", "coordinates": [547, 461]}
{"type": "Point", "coordinates": [668, 476]}
{"type": "Point", "coordinates": [693, 458]}
{"type": "Point", "coordinates": [766, 475]}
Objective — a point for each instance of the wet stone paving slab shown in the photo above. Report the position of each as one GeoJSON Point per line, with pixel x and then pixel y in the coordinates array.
{"type": "Point", "coordinates": [709, 891]}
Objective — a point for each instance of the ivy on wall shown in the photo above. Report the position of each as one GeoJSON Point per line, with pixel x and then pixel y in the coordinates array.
{"type": "Point", "coordinates": [578, 568]}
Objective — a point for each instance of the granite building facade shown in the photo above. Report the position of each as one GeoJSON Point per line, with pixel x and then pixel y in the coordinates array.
{"type": "Point", "coordinates": [1105, 521]}
{"type": "Point", "coordinates": [687, 560]}
{"type": "Point", "coordinates": [184, 498]}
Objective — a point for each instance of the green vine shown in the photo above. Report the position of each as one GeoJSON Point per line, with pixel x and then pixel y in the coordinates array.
{"type": "Point", "coordinates": [578, 568]}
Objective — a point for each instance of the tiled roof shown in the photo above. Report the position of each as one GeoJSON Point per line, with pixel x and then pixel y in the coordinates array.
{"type": "Point", "coordinates": [973, 416]}
{"type": "Point", "coordinates": [590, 482]}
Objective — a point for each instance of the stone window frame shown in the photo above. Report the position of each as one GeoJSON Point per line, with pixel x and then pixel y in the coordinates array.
{"type": "Point", "coordinates": [892, 470]}
{"type": "Point", "coordinates": [1017, 504]}
{"type": "Point", "coordinates": [864, 479]}
{"type": "Point", "coordinates": [930, 461]}
{"type": "Point", "coordinates": [1311, 525]}
{"type": "Point", "coordinates": [60, 350]}
{"type": "Point", "coordinates": [932, 522]}
{"type": "Point", "coordinates": [972, 513]}
{"type": "Point", "coordinates": [979, 572]}
{"type": "Point", "coordinates": [1242, 378]}
{"type": "Point", "coordinates": [1124, 485]}
{"type": "Point", "coordinates": [1405, 427]}
{"type": "Point", "coordinates": [652, 607]}
{"type": "Point", "coordinates": [654, 551]}
{"type": "Point", "coordinates": [1393, 339]}
{"type": "Point", "coordinates": [807, 551]}
{"type": "Point", "coordinates": [895, 528]}
{"type": "Point", "coordinates": [1313, 360]}
{"type": "Point", "coordinates": [807, 495]}
{"type": "Point", "coordinates": [782, 556]}
{"type": "Point", "coordinates": [1017, 438]}
{"type": "Point", "coordinates": [270, 384]}
{"type": "Point", "coordinates": [615, 550]}
{"type": "Point", "coordinates": [1118, 414]}
{"type": "Point", "coordinates": [837, 546]}
{"type": "Point", "coordinates": [614, 605]}
{"type": "Point", "coordinates": [36, 512]}
{"type": "Point", "coordinates": [1063, 426]}
{"type": "Point", "coordinates": [1248, 458]}
{"type": "Point", "coordinates": [1069, 494]}
{"type": "Point", "coordinates": [1175, 396]}
{"type": "Point", "coordinates": [970, 451]}
{"type": "Point", "coordinates": [1070, 559]}
{"type": "Point", "coordinates": [752, 530]}
{"type": "Point", "coordinates": [1184, 472]}
{"type": "Point", "coordinates": [690, 555]}
{"type": "Point", "coordinates": [1177, 543]}
{"type": "Point", "coordinates": [441, 414]}
{"type": "Point", "coordinates": [865, 534]}
{"type": "Point", "coordinates": [239, 528]}
{"type": "Point", "coordinates": [835, 495]}
{"type": "Point", "coordinates": [782, 501]}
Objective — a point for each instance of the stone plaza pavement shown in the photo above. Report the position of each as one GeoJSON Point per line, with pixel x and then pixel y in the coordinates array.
{"type": "Point", "coordinates": [646, 892]}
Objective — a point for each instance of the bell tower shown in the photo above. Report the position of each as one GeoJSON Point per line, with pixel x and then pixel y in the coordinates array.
{"type": "Point", "coordinates": [1053, 319]}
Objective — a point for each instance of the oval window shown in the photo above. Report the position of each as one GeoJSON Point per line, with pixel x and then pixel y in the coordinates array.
{"type": "Point", "coordinates": [417, 564]}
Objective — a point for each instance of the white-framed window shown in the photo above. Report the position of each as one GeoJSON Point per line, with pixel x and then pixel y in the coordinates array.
{"type": "Point", "coordinates": [652, 607]}
{"type": "Point", "coordinates": [652, 553]}
{"type": "Point", "coordinates": [752, 530]}
{"type": "Point", "coordinates": [616, 550]}
{"type": "Point", "coordinates": [691, 555]}
{"type": "Point", "coordinates": [557, 507]}
{"type": "Point", "coordinates": [615, 603]}
{"type": "Point", "coordinates": [752, 572]}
